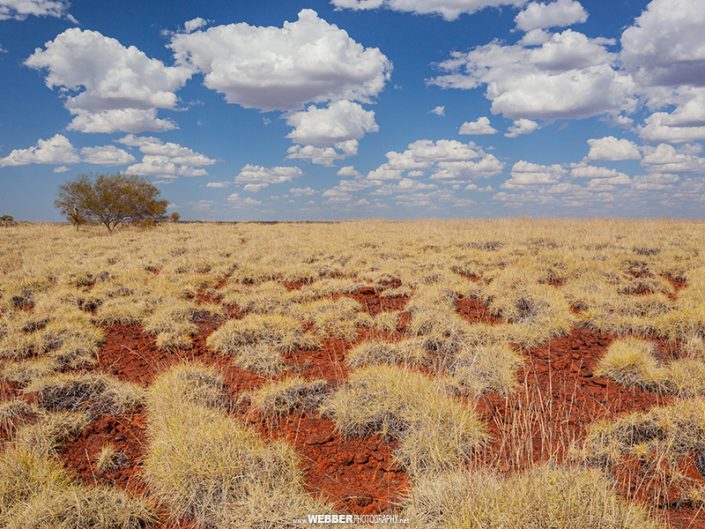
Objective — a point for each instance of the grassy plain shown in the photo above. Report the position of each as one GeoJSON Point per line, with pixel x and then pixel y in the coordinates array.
{"type": "Point", "coordinates": [470, 374]}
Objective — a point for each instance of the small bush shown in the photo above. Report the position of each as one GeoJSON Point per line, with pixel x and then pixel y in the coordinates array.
{"type": "Point", "coordinates": [435, 432]}
{"type": "Point", "coordinates": [544, 498]}
{"type": "Point", "coordinates": [95, 394]}
{"type": "Point", "coordinates": [283, 397]}
{"type": "Point", "coordinates": [204, 465]}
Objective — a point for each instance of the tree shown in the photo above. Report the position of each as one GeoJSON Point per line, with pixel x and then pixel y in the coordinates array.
{"type": "Point", "coordinates": [111, 200]}
{"type": "Point", "coordinates": [175, 216]}
{"type": "Point", "coordinates": [7, 220]}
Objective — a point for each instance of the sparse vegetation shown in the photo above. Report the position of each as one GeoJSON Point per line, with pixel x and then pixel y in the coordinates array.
{"type": "Point", "coordinates": [204, 465]}
{"type": "Point", "coordinates": [421, 355]}
{"type": "Point", "coordinates": [7, 221]}
{"type": "Point", "coordinates": [435, 431]}
{"type": "Point", "coordinates": [545, 497]}
{"type": "Point", "coordinates": [37, 493]}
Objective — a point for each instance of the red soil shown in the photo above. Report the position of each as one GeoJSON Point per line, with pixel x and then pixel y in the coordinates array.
{"type": "Point", "coordinates": [668, 350]}
{"type": "Point", "coordinates": [678, 284]}
{"type": "Point", "coordinates": [8, 390]}
{"type": "Point", "coordinates": [559, 397]}
{"type": "Point", "coordinates": [357, 475]}
{"type": "Point", "coordinates": [373, 303]}
{"type": "Point", "coordinates": [369, 484]}
{"type": "Point", "coordinates": [127, 434]}
{"type": "Point", "coordinates": [662, 486]}
{"type": "Point", "coordinates": [474, 311]}
{"type": "Point", "coordinates": [294, 285]}
{"type": "Point", "coordinates": [131, 354]}
{"type": "Point", "coordinates": [326, 363]}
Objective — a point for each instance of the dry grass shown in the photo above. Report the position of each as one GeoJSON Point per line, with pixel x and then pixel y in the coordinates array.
{"type": "Point", "coordinates": [435, 432]}
{"type": "Point", "coordinates": [50, 431]}
{"type": "Point", "coordinates": [204, 465]}
{"type": "Point", "coordinates": [281, 333]}
{"type": "Point", "coordinates": [665, 433]}
{"type": "Point", "coordinates": [660, 440]}
{"type": "Point", "coordinates": [279, 398]}
{"type": "Point", "coordinates": [58, 289]}
{"type": "Point", "coordinates": [481, 369]}
{"type": "Point", "coordinates": [632, 361]}
{"type": "Point", "coordinates": [11, 413]}
{"type": "Point", "coordinates": [109, 459]}
{"type": "Point", "coordinates": [95, 394]}
{"type": "Point", "coordinates": [545, 497]}
{"type": "Point", "coordinates": [409, 353]}
{"type": "Point", "coordinates": [37, 493]}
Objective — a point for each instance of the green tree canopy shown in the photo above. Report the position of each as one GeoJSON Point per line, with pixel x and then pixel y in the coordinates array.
{"type": "Point", "coordinates": [111, 200]}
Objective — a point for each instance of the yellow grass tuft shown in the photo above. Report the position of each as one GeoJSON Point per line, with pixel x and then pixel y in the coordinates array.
{"type": "Point", "coordinates": [95, 394]}
{"type": "Point", "coordinates": [204, 465]}
{"type": "Point", "coordinates": [282, 397]}
{"type": "Point", "coordinates": [544, 497]}
{"type": "Point", "coordinates": [435, 431]}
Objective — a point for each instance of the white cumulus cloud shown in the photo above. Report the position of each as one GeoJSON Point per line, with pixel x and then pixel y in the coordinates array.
{"type": "Point", "coordinates": [444, 160]}
{"type": "Point", "coordinates": [165, 159]}
{"type": "Point", "coordinates": [325, 156]}
{"type": "Point", "coordinates": [612, 149]}
{"type": "Point", "coordinates": [270, 68]}
{"type": "Point", "coordinates": [106, 155]}
{"type": "Point", "coordinates": [530, 174]}
{"type": "Point", "coordinates": [21, 9]}
{"type": "Point", "coordinates": [560, 13]}
{"type": "Point", "coordinates": [56, 150]}
{"type": "Point", "coordinates": [522, 127]}
{"type": "Point", "coordinates": [108, 87]}
{"type": "Point", "coordinates": [340, 121]}
{"type": "Point", "coordinates": [256, 177]}
{"type": "Point", "coordinates": [195, 23]}
{"type": "Point", "coordinates": [568, 76]}
{"type": "Point", "coordinates": [480, 127]}
{"type": "Point", "coordinates": [665, 46]}
{"type": "Point", "coordinates": [439, 110]}
{"type": "Point", "coordinates": [448, 9]}
{"type": "Point", "coordinates": [237, 201]}
{"type": "Point", "coordinates": [667, 159]}
{"type": "Point", "coordinates": [594, 172]}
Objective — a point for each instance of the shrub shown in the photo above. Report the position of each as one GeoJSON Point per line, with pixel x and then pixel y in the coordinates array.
{"type": "Point", "coordinates": [204, 465]}
{"type": "Point", "coordinates": [632, 362]}
{"type": "Point", "coordinates": [435, 431]}
{"type": "Point", "coordinates": [7, 221]}
{"type": "Point", "coordinates": [95, 394]}
{"type": "Point", "coordinates": [279, 398]}
{"type": "Point", "coordinates": [544, 497]}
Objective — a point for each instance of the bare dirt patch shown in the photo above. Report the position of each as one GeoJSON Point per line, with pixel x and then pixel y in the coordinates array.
{"type": "Point", "coordinates": [132, 355]}
{"type": "Point", "coordinates": [126, 434]}
{"type": "Point", "coordinates": [474, 310]}
{"type": "Point", "coordinates": [558, 398]}
{"type": "Point", "coordinates": [373, 303]}
{"type": "Point", "coordinates": [359, 476]}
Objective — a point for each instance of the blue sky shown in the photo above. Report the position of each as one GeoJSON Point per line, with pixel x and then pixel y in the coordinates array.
{"type": "Point", "coordinates": [337, 109]}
